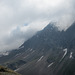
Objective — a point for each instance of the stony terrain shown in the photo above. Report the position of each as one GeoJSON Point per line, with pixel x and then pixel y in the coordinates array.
{"type": "Point", "coordinates": [49, 52]}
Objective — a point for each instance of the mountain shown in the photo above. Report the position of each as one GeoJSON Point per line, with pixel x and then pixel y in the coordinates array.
{"type": "Point", "coordinates": [6, 71]}
{"type": "Point", "coordinates": [70, 35]}
{"type": "Point", "coordinates": [48, 52]}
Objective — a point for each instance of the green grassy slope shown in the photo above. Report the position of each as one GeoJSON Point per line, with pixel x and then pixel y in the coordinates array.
{"type": "Point", "coordinates": [6, 71]}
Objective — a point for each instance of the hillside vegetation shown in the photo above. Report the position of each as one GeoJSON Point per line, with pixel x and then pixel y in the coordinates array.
{"type": "Point", "coordinates": [6, 71]}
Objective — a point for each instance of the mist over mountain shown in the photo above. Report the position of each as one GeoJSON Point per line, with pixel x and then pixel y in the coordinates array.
{"type": "Point", "coordinates": [21, 19]}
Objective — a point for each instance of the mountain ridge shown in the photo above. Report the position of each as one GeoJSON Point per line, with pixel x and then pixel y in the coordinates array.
{"type": "Point", "coordinates": [49, 52]}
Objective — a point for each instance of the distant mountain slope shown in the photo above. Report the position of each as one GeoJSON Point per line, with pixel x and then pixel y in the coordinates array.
{"type": "Point", "coordinates": [70, 35]}
{"type": "Point", "coordinates": [49, 52]}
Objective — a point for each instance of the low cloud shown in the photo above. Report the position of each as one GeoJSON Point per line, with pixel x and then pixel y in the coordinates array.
{"type": "Point", "coordinates": [21, 19]}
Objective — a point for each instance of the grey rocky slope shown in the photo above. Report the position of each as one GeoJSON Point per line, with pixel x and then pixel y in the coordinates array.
{"type": "Point", "coordinates": [49, 52]}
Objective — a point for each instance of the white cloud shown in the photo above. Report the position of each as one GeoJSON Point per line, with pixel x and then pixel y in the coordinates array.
{"type": "Point", "coordinates": [16, 14]}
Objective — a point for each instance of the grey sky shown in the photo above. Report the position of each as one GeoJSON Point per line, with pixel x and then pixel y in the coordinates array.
{"type": "Point", "coordinates": [21, 19]}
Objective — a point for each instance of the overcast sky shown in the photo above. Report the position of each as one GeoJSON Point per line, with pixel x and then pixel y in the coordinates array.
{"type": "Point", "coordinates": [21, 19]}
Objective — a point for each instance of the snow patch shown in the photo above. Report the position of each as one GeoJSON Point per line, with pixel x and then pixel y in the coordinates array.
{"type": "Point", "coordinates": [31, 49]}
{"type": "Point", "coordinates": [71, 55]}
{"type": "Point", "coordinates": [50, 64]}
{"type": "Point", "coordinates": [40, 58]}
{"type": "Point", "coordinates": [4, 53]}
{"type": "Point", "coordinates": [18, 54]}
{"type": "Point", "coordinates": [65, 50]}
{"type": "Point", "coordinates": [17, 69]}
{"type": "Point", "coordinates": [20, 47]}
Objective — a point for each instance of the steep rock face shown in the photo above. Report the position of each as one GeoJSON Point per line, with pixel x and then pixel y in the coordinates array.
{"type": "Point", "coordinates": [70, 36]}
{"type": "Point", "coordinates": [49, 52]}
{"type": "Point", "coordinates": [48, 36]}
